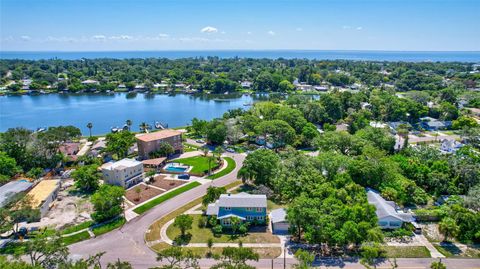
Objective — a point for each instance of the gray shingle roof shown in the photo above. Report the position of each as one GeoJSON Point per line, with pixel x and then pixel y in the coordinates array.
{"type": "Point", "coordinates": [386, 208]}
{"type": "Point", "coordinates": [278, 215]}
{"type": "Point", "coordinates": [242, 200]}
{"type": "Point", "coordinates": [12, 188]}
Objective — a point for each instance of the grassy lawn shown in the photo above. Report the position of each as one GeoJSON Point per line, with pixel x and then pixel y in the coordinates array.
{"type": "Point", "coordinates": [230, 167]}
{"type": "Point", "coordinates": [153, 232]}
{"type": "Point", "coordinates": [199, 163]}
{"type": "Point", "coordinates": [108, 226]}
{"type": "Point", "coordinates": [68, 240]}
{"type": "Point", "coordinates": [407, 252]}
{"type": "Point", "coordinates": [189, 147]}
{"type": "Point", "coordinates": [201, 235]}
{"type": "Point", "coordinates": [452, 251]}
{"type": "Point", "coordinates": [143, 208]}
{"type": "Point", "coordinates": [77, 227]}
{"type": "Point", "coordinates": [265, 253]}
{"type": "Point", "coordinates": [13, 249]}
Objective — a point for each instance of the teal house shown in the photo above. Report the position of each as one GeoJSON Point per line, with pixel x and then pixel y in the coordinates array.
{"type": "Point", "coordinates": [246, 207]}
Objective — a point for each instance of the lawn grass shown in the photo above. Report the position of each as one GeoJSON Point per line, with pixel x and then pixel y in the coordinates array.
{"type": "Point", "coordinates": [68, 240]}
{"type": "Point", "coordinates": [452, 251]}
{"type": "Point", "coordinates": [105, 228]}
{"type": "Point", "coordinates": [201, 235]}
{"type": "Point", "coordinates": [153, 232]}
{"type": "Point", "coordinates": [13, 249]}
{"type": "Point", "coordinates": [77, 227]}
{"type": "Point", "coordinates": [230, 167]}
{"type": "Point", "coordinates": [265, 253]}
{"type": "Point", "coordinates": [199, 163]}
{"type": "Point", "coordinates": [407, 252]}
{"type": "Point", "coordinates": [145, 207]}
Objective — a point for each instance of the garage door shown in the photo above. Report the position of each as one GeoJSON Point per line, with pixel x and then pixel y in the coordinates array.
{"type": "Point", "coordinates": [280, 227]}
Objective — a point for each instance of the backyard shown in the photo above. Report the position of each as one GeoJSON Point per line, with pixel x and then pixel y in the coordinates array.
{"type": "Point", "coordinates": [258, 234]}
{"type": "Point", "coordinates": [200, 164]}
{"type": "Point", "coordinates": [230, 167]}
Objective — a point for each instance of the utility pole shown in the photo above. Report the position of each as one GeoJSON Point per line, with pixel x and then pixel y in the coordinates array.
{"type": "Point", "coordinates": [284, 257]}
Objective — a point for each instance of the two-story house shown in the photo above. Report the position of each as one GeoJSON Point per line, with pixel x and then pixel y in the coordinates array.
{"type": "Point", "coordinates": [244, 206]}
{"type": "Point", "coordinates": [148, 143]}
{"type": "Point", "coordinates": [125, 173]}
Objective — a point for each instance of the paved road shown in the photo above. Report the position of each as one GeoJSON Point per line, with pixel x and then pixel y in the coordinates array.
{"type": "Point", "coordinates": [128, 243]}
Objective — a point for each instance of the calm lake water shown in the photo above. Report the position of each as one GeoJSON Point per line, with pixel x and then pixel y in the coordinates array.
{"type": "Point", "coordinates": [363, 55]}
{"type": "Point", "coordinates": [106, 111]}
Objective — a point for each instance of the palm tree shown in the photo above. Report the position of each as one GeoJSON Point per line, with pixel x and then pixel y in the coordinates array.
{"type": "Point", "coordinates": [129, 124]}
{"type": "Point", "coordinates": [90, 126]}
{"type": "Point", "coordinates": [144, 127]}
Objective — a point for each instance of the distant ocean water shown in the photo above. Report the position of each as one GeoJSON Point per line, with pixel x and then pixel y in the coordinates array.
{"type": "Point", "coordinates": [407, 56]}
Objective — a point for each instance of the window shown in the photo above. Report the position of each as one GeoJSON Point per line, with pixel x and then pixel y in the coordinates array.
{"type": "Point", "coordinates": [249, 217]}
{"type": "Point", "coordinates": [259, 209]}
{"type": "Point", "coordinates": [228, 208]}
{"type": "Point", "coordinates": [259, 217]}
{"type": "Point", "coordinates": [226, 222]}
{"type": "Point", "coordinates": [249, 209]}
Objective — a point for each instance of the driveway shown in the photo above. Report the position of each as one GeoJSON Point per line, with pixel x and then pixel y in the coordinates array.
{"type": "Point", "coordinates": [128, 242]}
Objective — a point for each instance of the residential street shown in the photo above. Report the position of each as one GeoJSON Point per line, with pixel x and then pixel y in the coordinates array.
{"type": "Point", "coordinates": [128, 243]}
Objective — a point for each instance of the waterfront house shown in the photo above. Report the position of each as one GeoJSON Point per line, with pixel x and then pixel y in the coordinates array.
{"type": "Point", "coordinates": [388, 215]}
{"type": "Point", "coordinates": [43, 195]}
{"type": "Point", "coordinates": [246, 84]}
{"type": "Point", "coordinates": [432, 124]}
{"type": "Point", "coordinates": [70, 150]}
{"type": "Point", "coordinates": [90, 82]}
{"type": "Point", "coordinates": [250, 208]}
{"type": "Point", "coordinates": [124, 173]}
{"type": "Point", "coordinates": [394, 125]}
{"type": "Point", "coordinates": [12, 188]}
{"type": "Point", "coordinates": [321, 88]}
{"type": "Point", "coordinates": [148, 143]}
{"type": "Point", "coordinates": [278, 218]}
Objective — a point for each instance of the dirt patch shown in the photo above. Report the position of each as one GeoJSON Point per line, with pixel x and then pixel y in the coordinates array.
{"type": "Point", "coordinates": [146, 192]}
{"type": "Point", "coordinates": [166, 184]}
{"type": "Point", "coordinates": [431, 232]}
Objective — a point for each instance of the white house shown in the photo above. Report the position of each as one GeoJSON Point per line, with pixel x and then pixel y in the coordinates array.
{"type": "Point", "coordinates": [278, 218]}
{"type": "Point", "coordinates": [388, 216]}
{"type": "Point", "coordinates": [125, 173]}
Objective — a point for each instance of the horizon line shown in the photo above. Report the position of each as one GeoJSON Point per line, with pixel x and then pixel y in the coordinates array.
{"type": "Point", "coordinates": [233, 50]}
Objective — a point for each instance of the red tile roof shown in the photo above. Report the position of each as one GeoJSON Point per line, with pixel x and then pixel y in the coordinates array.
{"type": "Point", "coordinates": [158, 135]}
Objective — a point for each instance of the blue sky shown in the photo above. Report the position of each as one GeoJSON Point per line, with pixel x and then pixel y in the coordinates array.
{"type": "Point", "coordinates": [97, 25]}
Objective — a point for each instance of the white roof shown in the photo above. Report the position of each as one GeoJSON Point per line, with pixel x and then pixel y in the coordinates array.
{"type": "Point", "coordinates": [122, 164]}
{"type": "Point", "coordinates": [242, 200]}
{"type": "Point", "coordinates": [278, 215]}
{"type": "Point", "coordinates": [12, 188]}
{"type": "Point", "coordinates": [386, 208]}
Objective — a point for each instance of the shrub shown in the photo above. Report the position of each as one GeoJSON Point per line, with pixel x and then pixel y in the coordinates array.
{"type": "Point", "coordinates": [212, 221]}
{"type": "Point", "coordinates": [243, 229]}
{"type": "Point", "coordinates": [218, 229]}
{"type": "Point", "coordinates": [202, 222]}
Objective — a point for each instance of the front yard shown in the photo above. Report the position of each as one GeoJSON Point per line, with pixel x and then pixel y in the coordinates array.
{"type": "Point", "coordinates": [407, 252]}
{"type": "Point", "coordinates": [258, 234]}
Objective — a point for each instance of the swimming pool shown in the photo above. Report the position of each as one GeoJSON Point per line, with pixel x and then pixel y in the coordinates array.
{"type": "Point", "coordinates": [175, 167]}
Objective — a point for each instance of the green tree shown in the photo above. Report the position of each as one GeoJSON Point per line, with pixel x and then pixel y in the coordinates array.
{"type": "Point", "coordinates": [8, 165]}
{"type": "Point", "coordinates": [177, 258]}
{"type": "Point", "coordinates": [87, 178]}
{"type": "Point", "coordinates": [213, 193]}
{"type": "Point", "coordinates": [279, 131]}
{"type": "Point", "coordinates": [199, 127]}
{"type": "Point", "coordinates": [129, 124]}
{"type": "Point", "coordinates": [370, 252]}
{"type": "Point", "coordinates": [119, 143]}
{"type": "Point", "coordinates": [183, 223]}
{"type": "Point", "coordinates": [46, 252]}
{"type": "Point", "coordinates": [216, 132]}
{"type": "Point", "coordinates": [119, 265]}
{"type": "Point", "coordinates": [236, 258]}
{"type": "Point", "coordinates": [285, 86]}
{"type": "Point", "coordinates": [260, 166]}
{"type": "Point", "coordinates": [304, 258]}
{"type": "Point", "coordinates": [107, 202]}
{"type": "Point", "coordinates": [144, 127]}
{"type": "Point", "coordinates": [448, 227]}
{"type": "Point", "coordinates": [464, 122]}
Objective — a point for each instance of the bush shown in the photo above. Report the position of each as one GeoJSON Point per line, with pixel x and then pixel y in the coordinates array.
{"type": "Point", "coordinates": [218, 229]}
{"type": "Point", "coordinates": [212, 221]}
{"type": "Point", "coordinates": [202, 222]}
{"type": "Point", "coordinates": [243, 229]}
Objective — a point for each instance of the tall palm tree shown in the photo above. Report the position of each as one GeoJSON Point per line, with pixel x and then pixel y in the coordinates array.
{"type": "Point", "coordinates": [129, 124]}
{"type": "Point", "coordinates": [90, 126]}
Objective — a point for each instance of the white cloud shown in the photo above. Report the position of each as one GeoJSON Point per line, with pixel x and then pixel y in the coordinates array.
{"type": "Point", "coordinates": [359, 28]}
{"type": "Point", "coordinates": [25, 38]}
{"type": "Point", "coordinates": [249, 33]}
{"type": "Point", "coordinates": [272, 33]}
{"type": "Point", "coordinates": [121, 37]}
{"type": "Point", "coordinates": [346, 27]}
{"type": "Point", "coordinates": [99, 37]}
{"type": "Point", "coordinates": [299, 29]}
{"type": "Point", "coordinates": [209, 30]}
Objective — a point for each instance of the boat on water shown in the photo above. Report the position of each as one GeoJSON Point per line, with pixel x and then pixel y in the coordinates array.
{"type": "Point", "coordinates": [247, 104]}
{"type": "Point", "coordinates": [159, 125]}
{"type": "Point", "coordinates": [115, 129]}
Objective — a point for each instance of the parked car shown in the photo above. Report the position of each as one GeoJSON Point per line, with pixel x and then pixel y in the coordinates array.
{"type": "Point", "coordinates": [200, 141]}
{"type": "Point", "coordinates": [184, 176]}
{"type": "Point", "coordinates": [230, 150]}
